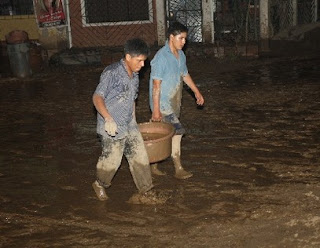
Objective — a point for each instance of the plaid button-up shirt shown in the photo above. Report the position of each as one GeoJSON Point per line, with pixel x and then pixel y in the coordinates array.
{"type": "Point", "coordinates": [119, 92]}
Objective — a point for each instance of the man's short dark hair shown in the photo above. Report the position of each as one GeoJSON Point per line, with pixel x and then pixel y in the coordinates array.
{"type": "Point", "coordinates": [136, 47]}
{"type": "Point", "coordinates": [176, 28]}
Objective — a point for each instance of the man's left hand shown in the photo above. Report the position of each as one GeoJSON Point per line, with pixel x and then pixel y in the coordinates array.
{"type": "Point", "coordinates": [200, 99]}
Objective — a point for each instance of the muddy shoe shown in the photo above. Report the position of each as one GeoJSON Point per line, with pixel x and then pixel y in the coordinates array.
{"type": "Point", "coordinates": [148, 198]}
{"type": "Point", "coordinates": [182, 174]}
{"type": "Point", "coordinates": [156, 171]}
{"type": "Point", "coordinates": [100, 191]}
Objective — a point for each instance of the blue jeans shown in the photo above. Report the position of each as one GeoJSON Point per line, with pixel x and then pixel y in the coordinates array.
{"type": "Point", "coordinates": [173, 119]}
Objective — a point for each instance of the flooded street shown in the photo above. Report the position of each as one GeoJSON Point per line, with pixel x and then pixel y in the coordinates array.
{"type": "Point", "coordinates": [253, 150]}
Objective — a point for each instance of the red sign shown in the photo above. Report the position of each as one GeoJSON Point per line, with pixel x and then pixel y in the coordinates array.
{"type": "Point", "coordinates": [49, 13]}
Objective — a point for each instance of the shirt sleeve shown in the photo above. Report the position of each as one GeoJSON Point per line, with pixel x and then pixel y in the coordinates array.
{"type": "Point", "coordinates": [157, 67]}
{"type": "Point", "coordinates": [104, 84]}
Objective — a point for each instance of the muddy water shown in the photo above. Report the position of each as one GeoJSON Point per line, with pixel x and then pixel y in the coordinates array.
{"type": "Point", "coordinates": [253, 150]}
{"type": "Point", "coordinates": [152, 136]}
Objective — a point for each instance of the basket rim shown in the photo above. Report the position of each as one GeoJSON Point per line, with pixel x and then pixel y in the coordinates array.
{"type": "Point", "coordinates": [169, 135]}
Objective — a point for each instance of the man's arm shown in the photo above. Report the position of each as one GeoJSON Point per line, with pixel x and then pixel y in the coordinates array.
{"type": "Point", "coordinates": [156, 89]}
{"type": "Point", "coordinates": [110, 126]}
{"type": "Point", "coordinates": [134, 111]}
{"type": "Point", "coordinates": [100, 106]}
{"type": "Point", "coordinates": [188, 80]}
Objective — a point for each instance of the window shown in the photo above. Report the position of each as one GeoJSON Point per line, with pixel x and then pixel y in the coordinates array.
{"type": "Point", "coordinates": [104, 11]}
{"type": "Point", "coordinates": [16, 7]}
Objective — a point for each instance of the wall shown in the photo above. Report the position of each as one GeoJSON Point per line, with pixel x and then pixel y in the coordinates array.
{"type": "Point", "coordinates": [21, 22]}
{"type": "Point", "coordinates": [51, 38]}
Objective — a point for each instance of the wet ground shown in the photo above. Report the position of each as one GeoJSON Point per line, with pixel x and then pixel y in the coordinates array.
{"type": "Point", "coordinates": [253, 150]}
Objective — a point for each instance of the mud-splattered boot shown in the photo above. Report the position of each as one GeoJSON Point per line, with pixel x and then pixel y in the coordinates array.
{"type": "Point", "coordinates": [100, 191]}
{"type": "Point", "coordinates": [156, 171]}
{"type": "Point", "coordinates": [181, 173]}
{"type": "Point", "coordinates": [175, 154]}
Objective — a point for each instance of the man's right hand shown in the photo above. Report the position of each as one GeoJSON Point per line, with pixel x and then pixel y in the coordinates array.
{"type": "Point", "coordinates": [156, 116]}
{"type": "Point", "coordinates": [111, 127]}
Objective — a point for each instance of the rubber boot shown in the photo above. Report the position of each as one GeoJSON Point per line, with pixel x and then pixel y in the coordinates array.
{"type": "Point", "coordinates": [156, 171]}
{"type": "Point", "coordinates": [100, 191]}
{"type": "Point", "coordinates": [175, 154]}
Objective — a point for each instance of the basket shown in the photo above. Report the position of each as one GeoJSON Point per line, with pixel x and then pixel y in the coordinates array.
{"type": "Point", "coordinates": [157, 138]}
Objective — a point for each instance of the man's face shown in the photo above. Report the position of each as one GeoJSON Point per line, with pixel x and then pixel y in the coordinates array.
{"type": "Point", "coordinates": [179, 40]}
{"type": "Point", "coordinates": [135, 63]}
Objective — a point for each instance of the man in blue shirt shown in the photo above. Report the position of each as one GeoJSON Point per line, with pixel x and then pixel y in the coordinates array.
{"type": "Point", "coordinates": [168, 72]}
{"type": "Point", "coordinates": [114, 100]}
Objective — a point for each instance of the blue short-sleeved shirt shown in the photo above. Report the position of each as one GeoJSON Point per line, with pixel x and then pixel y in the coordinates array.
{"type": "Point", "coordinates": [119, 92]}
{"type": "Point", "coordinates": [170, 70]}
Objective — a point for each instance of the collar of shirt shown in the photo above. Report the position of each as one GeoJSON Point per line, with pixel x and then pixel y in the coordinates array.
{"type": "Point", "coordinates": [167, 48]}
{"type": "Point", "coordinates": [134, 74]}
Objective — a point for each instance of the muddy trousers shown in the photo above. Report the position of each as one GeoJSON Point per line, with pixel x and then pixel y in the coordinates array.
{"type": "Point", "coordinates": [133, 148]}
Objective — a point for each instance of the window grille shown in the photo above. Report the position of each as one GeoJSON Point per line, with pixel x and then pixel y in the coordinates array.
{"type": "Point", "coordinates": [16, 7]}
{"type": "Point", "coordinates": [111, 11]}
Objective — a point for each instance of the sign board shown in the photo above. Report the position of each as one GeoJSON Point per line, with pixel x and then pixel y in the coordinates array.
{"type": "Point", "coordinates": [49, 13]}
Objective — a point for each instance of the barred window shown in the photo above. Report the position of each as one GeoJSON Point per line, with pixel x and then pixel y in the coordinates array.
{"type": "Point", "coordinates": [116, 10]}
{"type": "Point", "coordinates": [16, 7]}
